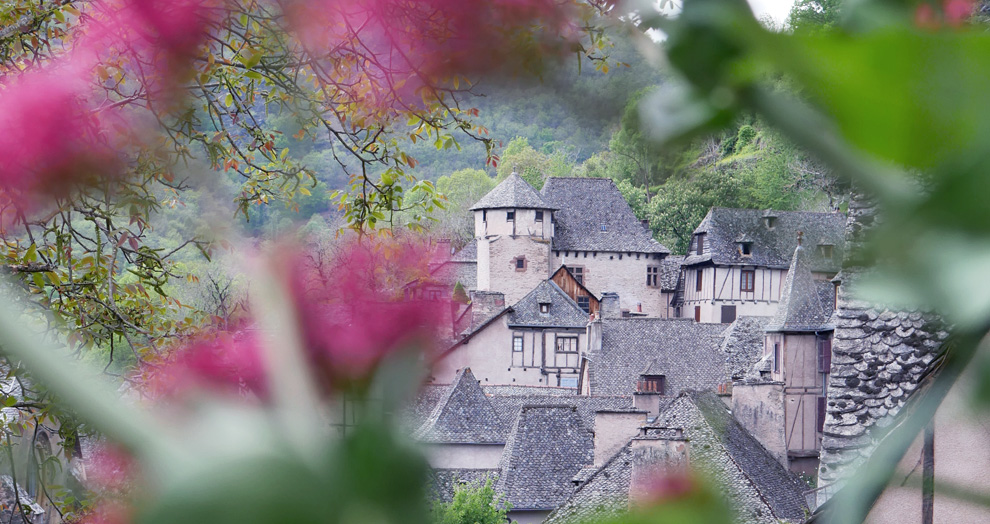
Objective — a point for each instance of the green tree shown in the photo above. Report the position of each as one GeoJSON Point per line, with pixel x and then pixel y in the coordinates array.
{"type": "Point", "coordinates": [472, 504]}
{"type": "Point", "coordinates": [462, 189]}
{"type": "Point", "coordinates": [814, 15]}
{"type": "Point", "coordinates": [532, 165]}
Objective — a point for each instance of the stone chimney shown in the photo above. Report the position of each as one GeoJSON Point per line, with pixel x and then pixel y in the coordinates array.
{"type": "Point", "coordinates": [613, 428]}
{"type": "Point", "coordinates": [609, 306]}
{"type": "Point", "coordinates": [660, 453]}
{"type": "Point", "coordinates": [485, 304]}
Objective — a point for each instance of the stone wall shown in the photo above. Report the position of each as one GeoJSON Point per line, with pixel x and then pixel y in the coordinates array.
{"type": "Point", "coordinates": [759, 407]}
{"type": "Point", "coordinates": [463, 456]}
{"type": "Point", "coordinates": [613, 430]}
{"type": "Point", "coordinates": [622, 273]}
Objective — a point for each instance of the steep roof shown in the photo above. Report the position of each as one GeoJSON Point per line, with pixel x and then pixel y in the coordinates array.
{"type": "Point", "coordinates": [463, 416]}
{"type": "Point", "coordinates": [594, 216]}
{"type": "Point", "coordinates": [513, 192]}
{"type": "Point", "coordinates": [563, 311]}
{"type": "Point", "coordinates": [742, 345]}
{"type": "Point", "coordinates": [547, 446]}
{"type": "Point", "coordinates": [686, 351]}
{"type": "Point", "coordinates": [670, 272]}
{"type": "Point", "coordinates": [509, 406]}
{"type": "Point", "coordinates": [800, 308]}
{"type": "Point", "coordinates": [725, 228]}
{"type": "Point", "coordinates": [754, 483]}
{"type": "Point", "coordinates": [879, 359]}
{"type": "Point", "coordinates": [468, 253]}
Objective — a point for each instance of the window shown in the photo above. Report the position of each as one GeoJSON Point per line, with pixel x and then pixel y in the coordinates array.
{"type": "Point", "coordinates": [568, 382]}
{"type": "Point", "coordinates": [824, 355]}
{"type": "Point", "coordinates": [603, 227]}
{"type": "Point", "coordinates": [484, 215]}
{"type": "Point", "coordinates": [746, 249]}
{"type": "Point", "coordinates": [651, 384]}
{"type": "Point", "coordinates": [728, 314]}
{"type": "Point", "coordinates": [545, 308]}
{"type": "Point", "coordinates": [539, 216]}
{"type": "Point", "coordinates": [566, 352]}
{"type": "Point", "coordinates": [517, 350]}
{"type": "Point", "coordinates": [747, 280]}
{"type": "Point", "coordinates": [520, 263]}
{"type": "Point", "coordinates": [652, 276]}
{"type": "Point", "coordinates": [510, 216]}
{"type": "Point", "coordinates": [771, 222]}
{"type": "Point", "coordinates": [584, 303]}
{"type": "Point", "coordinates": [577, 272]}
{"type": "Point", "coordinates": [825, 250]}
{"type": "Point", "coordinates": [821, 414]}
{"type": "Point", "coordinates": [697, 313]}
{"type": "Point", "coordinates": [433, 294]}
{"type": "Point", "coordinates": [700, 245]}
{"type": "Point", "coordinates": [776, 358]}
{"type": "Point", "coordinates": [699, 278]}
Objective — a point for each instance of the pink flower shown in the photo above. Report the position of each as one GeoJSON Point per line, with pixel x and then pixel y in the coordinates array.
{"type": "Point", "coordinates": [219, 361]}
{"type": "Point", "coordinates": [109, 469]}
{"type": "Point", "coordinates": [957, 11]}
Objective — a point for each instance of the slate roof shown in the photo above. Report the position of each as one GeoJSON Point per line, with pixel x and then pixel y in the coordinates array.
{"type": "Point", "coordinates": [415, 413]}
{"type": "Point", "coordinates": [724, 228]}
{"type": "Point", "coordinates": [468, 253]}
{"type": "Point", "coordinates": [670, 272]}
{"type": "Point", "coordinates": [742, 345]}
{"type": "Point", "coordinates": [513, 192]}
{"type": "Point", "coordinates": [755, 484]}
{"type": "Point", "coordinates": [879, 358]}
{"type": "Point", "coordinates": [686, 351]}
{"type": "Point", "coordinates": [509, 406]}
{"type": "Point", "coordinates": [463, 416]}
{"type": "Point", "coordinates": [587, 204]}
{"type": "Point", "coordinates": [443, 482]}
{"type": "Point", "coordinates": [547, 446]}
{"type": "Point", "coordinates": [564, 312]}
{"type": "Point", "coordinates": [800, 308]}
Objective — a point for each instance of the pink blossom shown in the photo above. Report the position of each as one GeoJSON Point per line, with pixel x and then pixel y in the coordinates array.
{"type": "Point", "coordinates": [957, 11]}
{"type": "Point", "coordinates": [218, 361]}
{"type": "Point", "coordinates": [667, 486]}
{"type": "Point", "coordinates": [109, 469]}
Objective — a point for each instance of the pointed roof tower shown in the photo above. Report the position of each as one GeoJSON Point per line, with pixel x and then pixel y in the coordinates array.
{"type": "Point", "coordinates": [513, 192]}
{"type": "Point", "coordinates": [463, 416]}
{"type": "Point", "coordinates": [800, 308]}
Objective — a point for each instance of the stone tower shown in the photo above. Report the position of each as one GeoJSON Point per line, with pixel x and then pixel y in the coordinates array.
{"type": "Point", "coordinates": [513, 226]}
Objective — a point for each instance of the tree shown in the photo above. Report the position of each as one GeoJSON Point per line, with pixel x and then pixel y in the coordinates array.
{"type": "Point", "coordinates": [532, 165]}
{"type": "Point", "coordinates": [814, 15]}
{"type": "Point", "coordinates": [462, 189]}
{"type": "Point", "coordinates": [472, 504]}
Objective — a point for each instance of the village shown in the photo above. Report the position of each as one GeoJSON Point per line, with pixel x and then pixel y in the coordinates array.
{"type": "Point", "coordinates": [589, 359]}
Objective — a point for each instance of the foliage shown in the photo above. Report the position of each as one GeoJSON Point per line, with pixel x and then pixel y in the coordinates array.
{"type": "Point", "coordinates": [472, 504]}
{"type": "Point", "coordinates": [461, 189]}
{"type": "Point", "coordinates": [532, 165]}
{"type": "Point", "coordinates": [460, 296]}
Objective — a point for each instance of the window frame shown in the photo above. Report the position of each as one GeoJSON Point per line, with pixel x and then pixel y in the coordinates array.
{"type": "Point", "coordinates": [510, 216]}
{"type": "Point", "coordinates": [699, 280]}
{"type": "Point", "coordinates": [539, 216]}
{"type": "Point", "coordinates": [776, 357]}
{"type": "Point", "coordinates": [652, 384]}
{"type": "Point", "coordinates": [577, 272]}
{"type": "Point", "coordinates": [750, 276]}
{"type": "Point", "coordinates": [652, 276]}
{"type": "Point", "coordinates": [700, 244]}
{"type": "Point", "coordinates": [587, 300]}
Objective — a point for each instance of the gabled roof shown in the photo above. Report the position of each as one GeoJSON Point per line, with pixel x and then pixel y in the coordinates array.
{"type": "Point", "coordinates": [761, 489]}
{"type": "Point", "coordinates": [880, 357]}
{"type": "Point", "coordinates": [468, 253]}
{"type": "Point", "coordinates": [755, 484]}
{"type": "Point", "coordinates": [463, 416]}
{"type": "Point", "coordinates": [565, 273]}
{"type": "Point", "coordinates": [547, 446]}
{"type": "Point", "coordinates": [513, 192]}
{"type": "Point", "coordinates": [670, 272]}
{"type": "Point", "coordinates": [586, 205]}
{"type": "Point", "coordinates": [509, 406]}
{"type": "Point", "coordinates": [800, 308]}
{"type": "Point", "coordinates": [563, 312]}
{"type": "Point", "coordinates": [686, 352]}
{"type": "Point", "coordinates": [742, 345]}
{"type": "Point", "coordinates": [724, 227]}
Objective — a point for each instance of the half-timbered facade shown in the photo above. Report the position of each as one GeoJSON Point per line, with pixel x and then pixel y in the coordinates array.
{"type": "Point", "coordinates": [738, 260]}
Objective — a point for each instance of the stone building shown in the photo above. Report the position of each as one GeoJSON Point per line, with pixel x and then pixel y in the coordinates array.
{"type": "Point", "coordinates": [585, 224]}
{"type": "Point", "coordinates": [738, 259]}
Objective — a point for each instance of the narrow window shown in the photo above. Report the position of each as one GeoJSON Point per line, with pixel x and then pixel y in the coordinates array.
{"type": "Point", "coordinates": [747, 280]}
{"type": "Point", "coordinates": [700, 276]}
{"type": "Point", "coordinates": [603, 227]}
{"type": "Point", "coordinates": [821, 414]}
{"type": "Point", "coordinates": [539, 216]}
{"type": "Point", "coordinates": [510, 216]}
{"type": "Point", "coordinates": [776, 358]}
{"type": "Point", "coordinates": [697, 313]}
{"type": "Point", "coordinates": [484, 215]}
{"type": "Point", "coordinates": [700, 244]}
{"type": "Point", "coordinates": [584, 303]}
{"type": "Point", "coordinates": [521, 264]}
{"type": "Point", "coordinates": [517, 350]}
{"type": "Point", "coordinates": [652, 276]}
{"type": "Point", "coordinates": [824, 355]}
{"type": "Point", "coordinates": [544, 308]}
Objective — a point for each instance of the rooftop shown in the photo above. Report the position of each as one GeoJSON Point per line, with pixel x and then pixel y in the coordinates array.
{"type": "Point", "coordinates": [513, 193]}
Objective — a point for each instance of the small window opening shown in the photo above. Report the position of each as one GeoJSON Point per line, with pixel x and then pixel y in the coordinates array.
{"type": "Point", "coordinates": [510, 216]}
{"type": "Point", "coordinates": [539, 216]}
{"type": "Point", "coordinates": [651, 384]}
{"type": "Point", "coordinates": [604, 228]}
{"type": "Point", "coordinates": [544, 308]}
{"type": "Point", "coordinates": [825, 250]}
{"type": "Point", "coordinates": [652, 276]}
{"type": "Point", "coordinates": [584, 303]}
{"type": "Point", "coordinates": [746, 249]}
{"type": "Point", "coordinates": [520, 263]}
{"type": "Point", "coordinates": [771, 222]}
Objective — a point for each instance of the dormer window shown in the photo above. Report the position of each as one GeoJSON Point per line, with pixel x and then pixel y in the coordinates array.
{"type": "Point", "coordinates": [651, 384]}
{"type": "Point", "coordinates": [510, 216]}
{"type": "Point", "coordinates": [771, 222]}
{"type": "Point", "coordinates": [746, 249]}
{"type": "Point", "coordinates": [700, 245]}
{"type": "Point", "coordinates": [539, 216]}
{"type": "Point", "coordinates": [604, 228]}
{"type": "Point", "coordinates": [545, 308]}
{"type": "Point", "coordinates": [825, 250]}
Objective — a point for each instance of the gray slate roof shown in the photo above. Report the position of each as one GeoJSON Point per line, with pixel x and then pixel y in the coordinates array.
{"type": "Point", "coordinates": [686, 351]}
{"type": "Point", "coordinates": [513, 192]}
{"type": "Point", "coordinates": [879, 359]}
{"type": "Point", "coordinates": [587, 204]}
{"type": "Point", "coordinates": [742, 345]}
{"type": "Point", "coordinates": [468, 253]}
{"type": "Point", "coordinates": [755, 484]}
{"type": "Point", "coordinates": [547, 446]}
{"type": "Point", "coordinates": [463, 416]}
{"type": "Point", "coordinates": [800, 308]}
{"type": "Point", "coordinates": [508, 407]}
{"type": "Point", "coordinates": [670, 272]}
{"type": "Point", "coordinates": [726, 227]}
{"type": "Point", "coordinates": [564, 312]}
